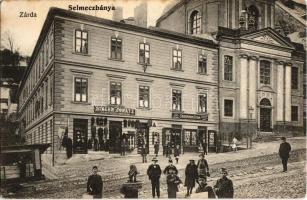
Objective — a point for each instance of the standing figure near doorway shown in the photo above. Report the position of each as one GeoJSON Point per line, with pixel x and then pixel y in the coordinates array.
{"type": "Point", "coordinates": [203, 167]}
{"type": "Point", "coordinates": [176, 153]}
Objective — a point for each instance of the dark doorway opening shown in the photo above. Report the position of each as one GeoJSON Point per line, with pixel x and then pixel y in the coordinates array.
{"type": "Point", "coordinates": [115, 133]}
{"type": "Point", "coordinates": [80, 135]}
{"type": "Point", "coordinates": [265, 115]}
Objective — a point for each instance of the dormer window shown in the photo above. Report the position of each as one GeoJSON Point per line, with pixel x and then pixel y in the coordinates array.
{"type": "Point", "coordinates": [195, 21]}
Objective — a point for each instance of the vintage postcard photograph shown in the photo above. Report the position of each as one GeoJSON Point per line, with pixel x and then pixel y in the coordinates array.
{"type": "Point", "coordinates": [187, 99]}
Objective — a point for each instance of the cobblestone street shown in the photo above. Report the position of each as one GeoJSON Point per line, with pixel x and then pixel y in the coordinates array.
{"type": "Point", "coordinates": [255, 176]}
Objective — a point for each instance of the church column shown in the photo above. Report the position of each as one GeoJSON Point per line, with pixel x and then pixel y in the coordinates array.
{"type": "Point", "coordinates": [280, 91]}
{"type": "Point", "coordinates": [252, 84]}
{"type": "Point", "coordinates": [243, 86]}
{"type": "Point", "coordinates": [288, 92]}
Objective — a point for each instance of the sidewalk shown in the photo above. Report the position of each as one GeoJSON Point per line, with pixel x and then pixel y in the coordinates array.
{"type": "Point", "coordinates": [116, 166]}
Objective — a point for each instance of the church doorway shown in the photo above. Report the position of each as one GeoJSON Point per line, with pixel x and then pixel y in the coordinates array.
{"type": "Point", "coordinates": [265, 115]}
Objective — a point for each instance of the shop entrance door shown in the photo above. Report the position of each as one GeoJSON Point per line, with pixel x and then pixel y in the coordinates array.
{"type": "Point", "coordinates": [171, 137]}
{"type": "Point", "coordinates": [80, 135]}
{"type": "Point", "coordinates": [143, 137]}
{"type": "Point", "coordinates": [115, 132]}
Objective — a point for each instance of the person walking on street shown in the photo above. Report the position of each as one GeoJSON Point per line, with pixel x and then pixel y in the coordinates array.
{"type": "Point", "coordinates": [172, 181]}
{"type": "Point", "coordinates": [224, 186]}
{"type": "Point", "coordinates": [203, 187]}
{"type": "Point", "coordinates": [284, 150]}
{"type": "Point", "coordinates": [169, 167]}
{"type": "Point", "coordinates": [156, 147]}
{"type": "Point", "coordinates": [123, 146]}
{"type": "Point", "coordinates": [203, 167]}
{"type": "Point", "coordinates": [190, 176]}
{"type": "Point", "coordinates": [154, 173]}
{"type": "Point", "coordinates": [144, 154]}
{"type": "Point", "coordinates": [176, 153]}
{"type": "Point", "coordinates": [234, 144]}
{"type": "Point", "coordinates": [95, 184]}
{"type": "Point", "coordinates": [205, 144]}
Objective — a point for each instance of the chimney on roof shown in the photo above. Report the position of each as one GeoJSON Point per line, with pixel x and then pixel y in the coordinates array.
{"type": "Point", "coordinates": [118, 14]}
{"type": "Point", "coordinates": [140, 14]}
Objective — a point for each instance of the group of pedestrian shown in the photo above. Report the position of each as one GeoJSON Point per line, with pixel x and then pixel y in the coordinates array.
{"type": "Point", "coordinates": [194, 173]}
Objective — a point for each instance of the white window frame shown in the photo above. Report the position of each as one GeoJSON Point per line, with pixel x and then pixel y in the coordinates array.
{"type": "Point", "coordinates": [233, 108]}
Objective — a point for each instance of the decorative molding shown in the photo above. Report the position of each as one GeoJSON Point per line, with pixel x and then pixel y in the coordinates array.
{"type": "Point", "coordinates": [253, 58]}
{"type": "Point", "coordinates": [289, 64]}
{"type": "Point", "coordinates": [144, 80]}
{"type": "Point", "coordinates": [243, 56]}
{"type": "Point", "coordinates": [77, 71]}
{"type": "Point", "coordinates": [280, 62]}
{"type": "Point", "coordinates": [267, 39]}
{"type": "Point", "coordinates": [116, 76]}
{"type": "Point", "coordinates": [201, 88]}
{"type": "Point", "coordinates": [177, 84]}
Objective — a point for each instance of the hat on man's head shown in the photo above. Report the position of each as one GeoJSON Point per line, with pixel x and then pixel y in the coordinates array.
{"type": "Point", "coordinates": [202, 155]}
{"type": "Point", "coordinates": [192, 160]}
{"type": "Point", "coordinates": [154, 159]}
{"type": "Point", "coordinates": [95, 167]}
{"type": "Point", "coordinates": [170, 160]}
{"type": "Point", "coordinates": [224, 170]}
{"type": "Point", "coordinates": [283, 138]}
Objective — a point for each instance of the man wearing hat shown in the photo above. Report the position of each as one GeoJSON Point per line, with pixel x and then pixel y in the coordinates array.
{"type": "Point", "coordinates": [203, 167]}
{"type": "Point", "coordinates": [224, 187]}
{"type": "Point", "coordinates": [190, 176]}
{"type": "Point", "coordinates": [170, 166]}
{"type": "Point", "coordinates": [95, 184]}
{"type": "Point", "coordinates": [154, 173]}
{"type": "Point", "coordinates": [284, 151]}
{"type": "Point", "coordinates": [204, 187]}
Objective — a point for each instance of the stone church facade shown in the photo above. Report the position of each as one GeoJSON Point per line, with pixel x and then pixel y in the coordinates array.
{"type": "Point", "coordinates": [260, 71]}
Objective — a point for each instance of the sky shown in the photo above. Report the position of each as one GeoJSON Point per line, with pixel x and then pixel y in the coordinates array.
{"type": "Point", "coordinates": [25, 30]}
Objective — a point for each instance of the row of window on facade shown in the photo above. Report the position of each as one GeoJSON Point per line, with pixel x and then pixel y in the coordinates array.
{"type": "Point", "coordinates": [81, 46]}
{"type": "Point", "coordinates": [41, 135]}
{"type": "Point", "coordinates": [41, 62]}
{"type": "Point", "coordinates": [265, 72]}
{"type": "Point", "coordinates": [40, 101]}
{"type": "Point", "coordinates": [81, 95]}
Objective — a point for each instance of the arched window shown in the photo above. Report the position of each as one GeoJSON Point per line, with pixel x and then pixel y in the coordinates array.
{"type": "Point", "coordinates": [195, 21]}
{"type": "Point", "coordinates": [265, 102]}
{"type": "Point", "coordinates": [253, 16]}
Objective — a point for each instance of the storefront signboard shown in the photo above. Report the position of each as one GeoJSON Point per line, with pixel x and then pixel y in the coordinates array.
{"type": "Point", "coordinates": [114, 110]}
{"type": "Point", "coordinates": [203, 117]}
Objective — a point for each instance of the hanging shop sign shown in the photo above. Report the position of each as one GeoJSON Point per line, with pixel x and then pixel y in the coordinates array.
{"type": "Point", "coordinates": [114, 110]}
{"type": "Point", "coordinates": [203, 117]}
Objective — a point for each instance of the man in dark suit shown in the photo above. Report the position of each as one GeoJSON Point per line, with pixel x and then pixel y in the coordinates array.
{"type": "Point", "coordinates": [154, 173]}
{"type": "Point", "coordinates": [94, 184]}
{"type": "Point", "coordinates": [224, 186]}
{"type": "Point", "coordinates": [170, 166]}
{"type": "Point", "coordinates": [284, 151]}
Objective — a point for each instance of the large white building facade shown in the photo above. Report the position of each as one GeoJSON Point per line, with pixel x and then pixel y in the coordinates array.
{"type": "Point", "coordinates": [260, 71]}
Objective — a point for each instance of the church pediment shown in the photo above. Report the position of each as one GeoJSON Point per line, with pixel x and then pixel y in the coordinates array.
{"type": "Point", "coordinates": [268, 36]}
